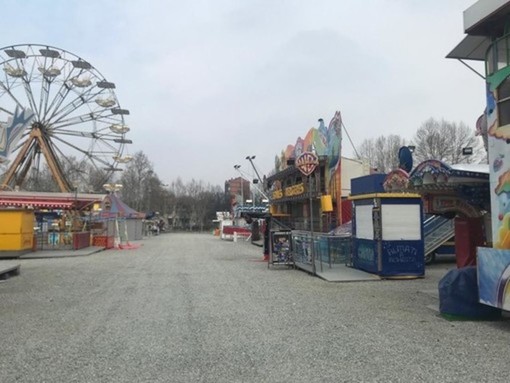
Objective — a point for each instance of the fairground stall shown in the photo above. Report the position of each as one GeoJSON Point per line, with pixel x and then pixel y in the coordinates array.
{"type": "Point", "coordinates": [115, 224]}
{"type": "Point", "coordinates": [456, 205]}
{"type": "Point", "coordinates": [456, 201]}
{"type": "Point", "coordinates": [308, 204]}
{"type": "Point", "coordinates": [387, 230]}
{"type": "Point", "coordinates": [291, 189]}
{"type": "Point", "coordinates": [488, 40]}
{"type": "Point", "coordinates": [58, 218]}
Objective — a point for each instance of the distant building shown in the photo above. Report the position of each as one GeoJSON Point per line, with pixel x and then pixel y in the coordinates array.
{"type": "Point", "coordinates": [352, 168]}
{"type": "Point", "coordinates": [237, 191]}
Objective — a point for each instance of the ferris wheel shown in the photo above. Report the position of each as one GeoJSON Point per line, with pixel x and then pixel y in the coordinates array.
{"type": "Point", "coordinates": [57, 109]}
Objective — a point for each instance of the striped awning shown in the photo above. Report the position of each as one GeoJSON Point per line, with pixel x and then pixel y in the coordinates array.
{"type": "Point", "coordinates": [48, 200]}
{"type": "Point", "coordinates": [36, 204]}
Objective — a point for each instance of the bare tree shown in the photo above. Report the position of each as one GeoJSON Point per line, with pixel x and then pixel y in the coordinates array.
{"type": "Point", "coordinates": [137, 180]}
{"type": "Point", "coordinates": [40, 180]}
{"type": "Point", "coordinates": [96, 180]}
{"type": "Point", "coordinates": [194, 205]}
{"type": "Point", "coordinates": [177, 187]}
{"type": "Point", "coordinates": [444, 141]}
{"type": "Point", "coordinates": [382, 152]}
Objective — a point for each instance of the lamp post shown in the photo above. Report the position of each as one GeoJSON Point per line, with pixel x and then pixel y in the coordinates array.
{"type": "Point", "coordinates": [307, 162]}
{"type": "Point", "coordinates": [251, 158]}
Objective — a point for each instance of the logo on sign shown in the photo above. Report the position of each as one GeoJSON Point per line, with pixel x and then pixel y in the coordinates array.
{"type": "Point", "coordinates": [307, 162]}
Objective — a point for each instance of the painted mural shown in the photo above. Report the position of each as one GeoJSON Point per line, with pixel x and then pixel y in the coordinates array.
{"type": "Point", "coordinates": [494, 277]}
{"type": "Point", "coordinates": [499, 161]}
{"type": "Point", "coordinates": [323, 141]}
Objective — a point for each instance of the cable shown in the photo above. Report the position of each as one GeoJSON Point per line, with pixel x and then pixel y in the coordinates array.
{"type": "Point", "coordinates": [245, 177]}
{"type": "Point", "coordinates": [349, 137]}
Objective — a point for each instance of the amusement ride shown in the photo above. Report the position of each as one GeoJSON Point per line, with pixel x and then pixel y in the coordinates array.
{"type": "Point", "coordinates": [57, 109]}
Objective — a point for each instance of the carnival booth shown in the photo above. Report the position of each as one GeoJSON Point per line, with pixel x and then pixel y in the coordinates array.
{"type": "Point", "coordinates": [16, 232]}
{"type": "Point", "coordinates": [59, 220]}
{"type": "Point", "coordinates": [387, 229]}
{"type": "Point", "coordinates": [306, 197]}
{"type": "Point", "coordinates": [116, 221]}
{"type": "Point", "coordinates": [460, 191]}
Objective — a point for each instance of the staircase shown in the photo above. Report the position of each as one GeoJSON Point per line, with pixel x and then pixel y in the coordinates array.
{"type": "Point", "coordinates": [437, 230]}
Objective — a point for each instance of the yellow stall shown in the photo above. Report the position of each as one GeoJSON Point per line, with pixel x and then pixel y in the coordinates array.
{"type": "Point", "coordinates": [16, 232]}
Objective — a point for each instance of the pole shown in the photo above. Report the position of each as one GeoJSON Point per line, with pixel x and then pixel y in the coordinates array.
{"type": "Point", "coordinates": [312, 250]}
{"type": "Point", "coordinates": [250, 158]}
{"type": "Point", "coordinates": [242, 191]}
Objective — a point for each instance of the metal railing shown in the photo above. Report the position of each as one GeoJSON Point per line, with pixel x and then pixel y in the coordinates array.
{"type": "Point", "coordinates": [328, 249]}
{"type": "Point", "coordinates": [436, 231]}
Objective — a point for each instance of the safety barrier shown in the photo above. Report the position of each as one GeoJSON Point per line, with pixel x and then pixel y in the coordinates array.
{"type": "Point", "coordinates": [328, 249]}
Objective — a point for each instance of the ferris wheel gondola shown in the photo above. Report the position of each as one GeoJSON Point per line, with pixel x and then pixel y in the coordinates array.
{"type": "Point", "coordinates": [56, 107]}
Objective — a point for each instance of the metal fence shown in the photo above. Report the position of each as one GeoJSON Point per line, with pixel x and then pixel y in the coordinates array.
{"type": "Point", "coordinates": [328, 249]}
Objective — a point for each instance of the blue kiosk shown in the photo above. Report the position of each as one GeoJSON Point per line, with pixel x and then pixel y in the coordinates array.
{"type": "Point", "coordinates": [387, 230]}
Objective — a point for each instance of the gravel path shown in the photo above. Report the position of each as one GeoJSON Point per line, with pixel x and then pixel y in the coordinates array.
{"type": "Point", "coordinates": [193, 308]}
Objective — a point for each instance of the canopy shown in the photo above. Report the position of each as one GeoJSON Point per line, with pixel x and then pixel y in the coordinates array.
{"type": "Point", "coordinates": [46, 200]}
{"type": "Point", "coordinates": [113, 207]}
{"type": "Point", "coordinates": [471, 48]}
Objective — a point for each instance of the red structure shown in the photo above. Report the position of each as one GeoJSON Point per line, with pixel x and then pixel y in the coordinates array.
{"type": "Point", "coordinates": [468, 236]}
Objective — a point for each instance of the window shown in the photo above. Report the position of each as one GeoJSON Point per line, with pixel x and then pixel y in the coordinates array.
{"type": "Point", "coordinates": [504, 103]}
{"type": "Point", "coordinates": [401, 222]}
{"type": "Point", "coordinates": [364, 222]}
{"type": "Point", "coordinates": [497, 56]}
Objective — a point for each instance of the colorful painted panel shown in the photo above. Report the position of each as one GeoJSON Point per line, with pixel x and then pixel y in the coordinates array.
{"type": "Point", "coordinates": [396, 181]}
{"type": "Point", "coordinates": [11, 132]}
{"type": "Point", "coordinates": [499, 162]}
{"type": "Point", "coordinates": [494, 277]}
{"type": "Point", "coordinates": [280, 246]}
{"type": "Point", "coordinates": [323, 141]}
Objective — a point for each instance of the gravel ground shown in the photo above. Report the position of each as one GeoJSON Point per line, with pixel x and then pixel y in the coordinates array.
{"type": "Point", "coordinates": [193, 308]}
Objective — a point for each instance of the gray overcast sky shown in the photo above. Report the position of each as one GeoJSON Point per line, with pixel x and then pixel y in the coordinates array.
{"type": "Point", "coordinates": [210, 82]}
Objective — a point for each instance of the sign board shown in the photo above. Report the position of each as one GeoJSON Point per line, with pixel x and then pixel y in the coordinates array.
{"type": "Point", "coordinates": [307, 162]}
{"type": "Point", "coordinates": [281, 247]}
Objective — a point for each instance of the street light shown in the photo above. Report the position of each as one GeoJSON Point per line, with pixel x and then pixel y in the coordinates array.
{"type": "Point", "coordinates": [251, 158]}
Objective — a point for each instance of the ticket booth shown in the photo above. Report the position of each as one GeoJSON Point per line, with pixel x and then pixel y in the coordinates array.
{"type": "Point", "coordinates": [388, 234]}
